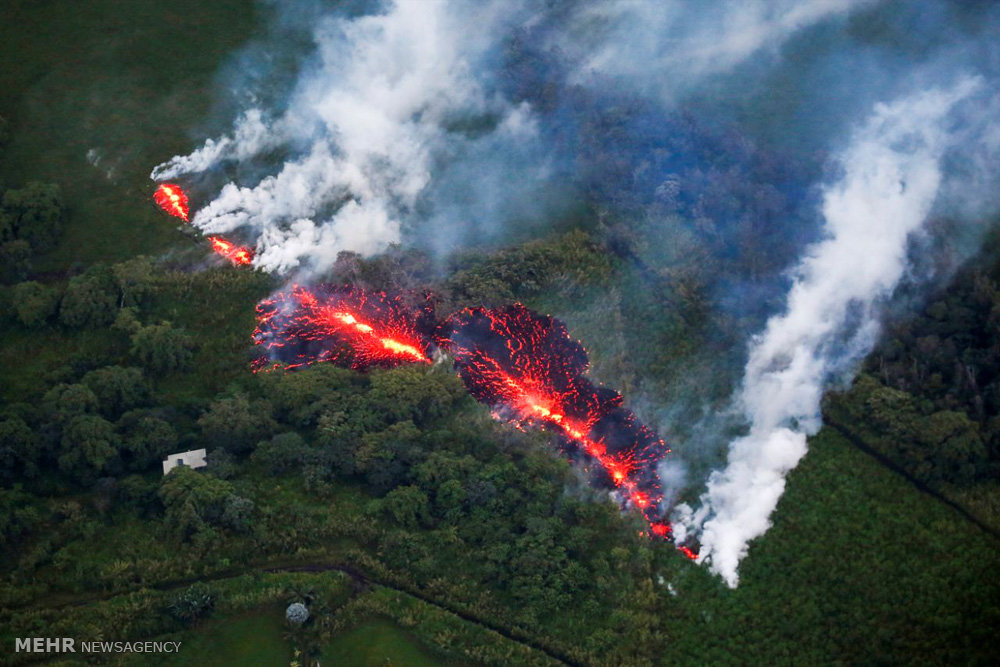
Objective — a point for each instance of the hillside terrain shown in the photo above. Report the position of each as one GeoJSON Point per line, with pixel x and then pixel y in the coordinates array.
{"type": "Point", "coordinates": [416, 527]}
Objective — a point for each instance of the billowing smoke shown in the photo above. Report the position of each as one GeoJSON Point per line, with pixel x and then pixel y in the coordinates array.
{"type": "Point", "coordinates": [388, 95]}
{"type": "Point", "coordinates": [891, 178]}
{"type": "Point", "coordinates": [402, 118]}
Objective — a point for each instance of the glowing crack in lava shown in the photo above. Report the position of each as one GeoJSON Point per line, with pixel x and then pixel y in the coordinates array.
{"type": "Point", "coordinates": [528, 369]}
{"type": "Point", "coordinates": [172, 199]}
{"type": "Point", "coordinates": [347, 326]}
{"type": "Point", "coordinates": [236, 254]}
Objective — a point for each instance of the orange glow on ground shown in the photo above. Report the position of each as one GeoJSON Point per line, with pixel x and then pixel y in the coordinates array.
{"type": "Point", "coordinates": [239, 255]}
{"type": "Point", "coordinates": [347, 326]}
{"type": "Point", "coordinates": [172, 199]}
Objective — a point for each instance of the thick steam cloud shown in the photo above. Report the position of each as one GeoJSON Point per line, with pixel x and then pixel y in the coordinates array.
{"type": "Point", "coordinates": [366, 124]}
{"type": "Point", "coordinates": [891, 177]}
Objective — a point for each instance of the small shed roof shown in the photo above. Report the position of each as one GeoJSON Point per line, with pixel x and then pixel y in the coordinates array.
{"type": "Point", "coordinates": [193, 459]}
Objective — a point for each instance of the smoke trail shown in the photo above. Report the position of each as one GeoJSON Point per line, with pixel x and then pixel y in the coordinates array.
{"type": "Point", "coordinates": [891, 178]}
{"type": "Point", "coordinates": [251, 135]}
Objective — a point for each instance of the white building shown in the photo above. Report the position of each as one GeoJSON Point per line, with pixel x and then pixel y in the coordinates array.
{"type": "Point", "coordinates": [193, 459]}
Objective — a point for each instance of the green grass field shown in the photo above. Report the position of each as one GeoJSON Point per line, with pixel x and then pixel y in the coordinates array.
{"type": "Point", "coordinates": [252, 639]}
{"type": "Point", "coordinates": [859, 567]}
{"type": "Point", "coordinates": [375, 644]}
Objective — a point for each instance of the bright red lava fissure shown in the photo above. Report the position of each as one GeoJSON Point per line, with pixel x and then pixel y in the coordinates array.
{"type": "Point", "coordinates": [528, 369]}
{"type": "Point", "coordinates": [523, 365]}
{"type": "Point", "coordinates": [237, 254]}
{"type": "Point", "coordinates": [347, 326]}
{"type": "Point", "coordinates": [172, 199]}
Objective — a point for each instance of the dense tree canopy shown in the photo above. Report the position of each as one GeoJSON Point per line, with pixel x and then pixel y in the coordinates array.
{"type": "Point", "coordinates": [117, 389]}
{"type": "Point", "coordinates": [35, 212]}
{"type": "Point", "coordinates": [237, 424]}
{"type": "Point", "coordinates": [162, 348]}
{"type": "Point", "coordinates": [89, 300]}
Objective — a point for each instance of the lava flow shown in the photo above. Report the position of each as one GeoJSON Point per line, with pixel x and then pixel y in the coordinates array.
{"type": "Point", "coordinates": [172, 199]}
{"type": "Point", "coordinates": [528, 369]}
{"type": "Point", "coordinates": [236, 254]}
{"type": "Point", "coordinates": [523, 365]}
{"type": "Point", "coordinates": [347, 326]}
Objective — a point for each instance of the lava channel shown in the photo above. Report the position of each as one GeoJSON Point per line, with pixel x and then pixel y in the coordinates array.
{"type": "Point", "coordinates": [347, 326]}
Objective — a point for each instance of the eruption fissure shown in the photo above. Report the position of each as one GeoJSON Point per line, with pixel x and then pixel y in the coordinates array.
{"type": "Point", "coordinates": [527, 369]}
{"type": "Point", "coordinates": [172, 199]}
{"type": "Point", "coordinates": [347, 326]}
{"type": "Point", "coordinates": [234, 253]}
{"type": "Point", "coordinates": [524, 366]}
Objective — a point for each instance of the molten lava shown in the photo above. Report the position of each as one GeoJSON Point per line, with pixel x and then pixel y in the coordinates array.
{"type": "Point", "coordinates": [528, 369]}
{"type": "Point", "coordinates": [347, 326]}
{"type": "Point", "coordinates": [172, 199]}
{"type": "Point", "coordinates": [236, 254]}
{"type": "Point", "coordinates": [523, 365]}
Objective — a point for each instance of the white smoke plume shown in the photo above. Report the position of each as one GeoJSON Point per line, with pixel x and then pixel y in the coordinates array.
{"type": "Point", "coordinates": [374, 113]}
{"type": "Point", "coordinates": [891, 176]}
{"type": "Point", "coordinates": [251, 135]}
{"type": "Point", "coordinates": [372, 121]}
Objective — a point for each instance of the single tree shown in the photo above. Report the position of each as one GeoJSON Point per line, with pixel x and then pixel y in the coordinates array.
{"type": "Point", "coordinates": [134, 278]}
{"type": "Point", "coordinates": [34, 303]}
{"type": "Point", "coordinates": [15, 261]}
{"type": "Point", "coordinates": [237, 424]}
{"type": "Point", "coordinates": [89, 447]}
{"type": "Point", "coordinates": [296, 613]}
{"type": "Point", "coordinates": [146, 439]}
{"type": "Point", "coordinates": [117, 389]}
{"type": "Point", "coordinates": [90, 299]}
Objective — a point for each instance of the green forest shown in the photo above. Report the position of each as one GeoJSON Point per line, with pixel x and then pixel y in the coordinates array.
{"type": "Point", "coordinates": [389, 502]}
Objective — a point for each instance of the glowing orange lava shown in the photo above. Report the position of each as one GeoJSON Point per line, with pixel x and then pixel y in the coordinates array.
{"type": "Point", "coordinates": [526, 368]}
{"type": "Point", "coordinates": [236, 254]}
{"type": "Point", "coordinates": [172, 199]}
{"type": "Point", "coordinates": [687, 552]}
{"type": "Point", "coordinates": [619, 467]}
{"type": "Point", "coordinates": [388, 343]}
{"type": "Point", "coordinates": [523, 365]}
{"type": "Point", "coordinates": [347, 326]}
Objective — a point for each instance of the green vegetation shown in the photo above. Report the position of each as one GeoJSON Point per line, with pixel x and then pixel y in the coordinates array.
{"type": "Point", "coordinates": [248, 639]}
{"type": "Point", "coordinates": [374, 644]}
{"type": "Point", "coordinates": [99, 93]}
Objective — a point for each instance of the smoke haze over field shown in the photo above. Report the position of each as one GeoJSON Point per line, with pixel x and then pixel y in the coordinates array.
{"type": "Point", "coordinates": [445, 125]}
